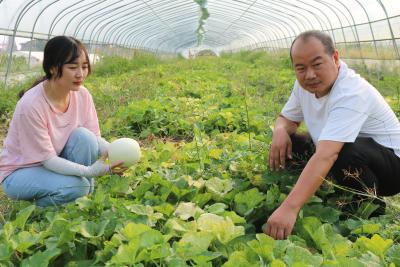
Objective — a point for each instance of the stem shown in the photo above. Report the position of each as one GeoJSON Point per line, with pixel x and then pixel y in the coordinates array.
{"type": "Point", "coordinates": [247, 114]}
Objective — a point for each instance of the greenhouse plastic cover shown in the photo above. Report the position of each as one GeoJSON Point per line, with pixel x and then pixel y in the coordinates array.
{"type": "Point", "coordinates": [176, 25]}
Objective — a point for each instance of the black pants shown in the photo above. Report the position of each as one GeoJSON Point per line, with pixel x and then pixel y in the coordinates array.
{"type": "Point", "coordinates": [363, 165]}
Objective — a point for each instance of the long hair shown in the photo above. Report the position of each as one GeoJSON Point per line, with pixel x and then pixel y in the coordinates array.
{"type": "Point", "coordinates": [59, 51]}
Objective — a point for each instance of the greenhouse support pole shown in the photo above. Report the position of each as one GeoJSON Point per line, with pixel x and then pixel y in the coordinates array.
{"type": "Point", "coordinates": [391, 30]}
{"type": "Point", "coordinates": [9, 62]}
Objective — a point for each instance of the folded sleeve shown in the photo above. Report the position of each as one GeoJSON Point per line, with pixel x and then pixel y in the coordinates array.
{"type": "Point", "coordinates": [292, 109]}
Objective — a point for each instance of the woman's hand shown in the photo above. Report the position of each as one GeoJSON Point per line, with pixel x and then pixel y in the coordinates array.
{"type": "Point", "coordinates": [117, 167]}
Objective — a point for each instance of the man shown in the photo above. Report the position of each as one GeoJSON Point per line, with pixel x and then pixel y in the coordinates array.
{"type": "Point", "coordinates": [355, 132]}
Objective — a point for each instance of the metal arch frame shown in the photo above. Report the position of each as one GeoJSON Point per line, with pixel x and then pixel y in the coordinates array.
{"type": "Point", "coordinates": [163, 40]}
{"type": "Point", "coordinates": [262, 32]}
{"type": "Point", "coordinates": [73, 17]}
{"type": "Point", "coordinates": [287, 14]}
{"type": "Point", "coordinates": [390, 28]}
{"type": "Point", "coordinates": [33, 29]}
{"type": "Point", "coordinates": [355, 28]}
{"type": "Point", "coordinates": [97, 32]}
{"type": "Point", "coordinates": [107, 37]}
{"type": "Point", "coordinates": [288, 29]}
{"type": "Point", "coordinates": [86, 22]}
{"type": "Point", "coordinates": [341, 25]}
{"type": "Point", "coordinates": [112, 27]}
{"type": "Point", "coordinates": [24, 10]}
{"type": "Point", "coordinates": [249, 11]}
{"type": "Point", "coordinates": [115, 42]}
{"type": "Point", "coordinates": [119, 18]}
{"type": "Point", "coordinates": [133, 37]}
{"type": "Point", "coordinates": [318, 19]}
{"type": "Point", "coordinates": [139, 30]}
{"type": "Point", "coordinates": [315, 16]}
{"type": "Point", "coordinates": [370, 26]}
{"type": "Point", "coordinates": [262, 26]}
{"type": "Point", "coordinates": [273, 23]}
{"type": "Point", "coordinates": [59, 17]}
{"type": "Point", "coordinates": [128, 25]}
{"type": "Point", "coordinates": [335, 9]}
{"type": "Point", "coordinates": [274, 20]}
{"type": "Point", "coordinates": [185, 44]}
{"type": "Point", "coordinates": [279, 3]}
{"type": "Point", "coordinates": [292, 14]}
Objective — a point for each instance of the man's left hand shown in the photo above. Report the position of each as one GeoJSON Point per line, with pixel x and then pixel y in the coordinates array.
{"type": "Point", "coordinates": [280, 224]}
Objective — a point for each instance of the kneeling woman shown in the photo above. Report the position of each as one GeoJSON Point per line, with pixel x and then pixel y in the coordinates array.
{"type": "Point", "coordinates": [53, 148]}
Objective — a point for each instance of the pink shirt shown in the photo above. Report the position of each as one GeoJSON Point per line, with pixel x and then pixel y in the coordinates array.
{"type": "Point", "coordinates": [39, 132]}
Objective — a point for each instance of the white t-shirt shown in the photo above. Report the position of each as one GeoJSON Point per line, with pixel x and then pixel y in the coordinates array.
{"type": "Point", "coordinates": [353, 108]}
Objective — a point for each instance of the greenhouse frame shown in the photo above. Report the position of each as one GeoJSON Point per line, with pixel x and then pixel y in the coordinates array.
{"type": "Point", "coordinates": [362, 30]}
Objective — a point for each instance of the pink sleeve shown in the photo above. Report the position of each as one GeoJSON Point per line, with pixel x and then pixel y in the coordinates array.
{"type": "Point", "coordinates": [34, 139]}
{"type": "Point", "coordinates": [92, 121]}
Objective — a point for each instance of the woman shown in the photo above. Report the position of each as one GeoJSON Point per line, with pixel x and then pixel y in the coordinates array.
{"type": "Point", "coordinates": [52, 149]}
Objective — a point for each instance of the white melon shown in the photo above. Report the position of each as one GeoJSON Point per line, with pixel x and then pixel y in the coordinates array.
{"type": "Point", "coordinates": [125, 149]}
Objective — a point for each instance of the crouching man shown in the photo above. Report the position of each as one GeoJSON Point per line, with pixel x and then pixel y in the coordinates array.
{"type": "Point", "coordinates": [353, 129]}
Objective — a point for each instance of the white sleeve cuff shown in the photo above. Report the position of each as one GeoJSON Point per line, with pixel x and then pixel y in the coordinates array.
{"type": "Point", "coordinates": [103, 145]}
{"type": "Point", "coordinates": [66, 167]}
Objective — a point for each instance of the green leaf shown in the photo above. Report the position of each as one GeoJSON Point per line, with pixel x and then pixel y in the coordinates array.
{"type": "Point", "coordinates": [24, 240]}
{"type": "Point", "coordinates": [186, 210]}
{"type": "Point", "coordinates": [222, 228]}
{"type": "Point", "coordinates": [215, 153]}
{"type": "Point", "coordinates": [192, 244]}
{"type": "Point", "coordinates": [371, 260]}
{"type": "Point", "coordinates": [263, 246]}
{"type": "Point", "coordinates": [236, 219]}
{"type": "Point", "coordinates": [91, 229]}
{"type": "Point", "coordinates": [133, 230]}
{"type": "Point", "coordinates": [376, 244]}
{"type": "Point", "coordinates": [369, 228]}
{"type": "Point", "coordinates": [150, 238]}
{"type": "Point", "coordinates": [278, 263]}
{"type": "Point", "coordinates": [126, 254]}
{"type": "Point", "coordinates": [239, 259]}
{"type": "Point", "coordinates": [205, 258]}
{"type": "Point", "coordinates": [393, 254]}
{"type": "Point", "coordinates": [22, 216]}
{"type": "Point", "coordinates": [41, 259]}
{"type": "Point", "coordinates": [217, 208]}
{"type": "Point", "coordinates": [219, 187]}
{"type": "Point", "coordinates": [176, 226]}
{"type": "Point", "coordinates": [246, 201]}
{"type": "Point", "coordinates": [325, 214]}
{"type": "Point", "coordinates": [295, 255]}
{"type": "Point", "coordinates": [5, 252]}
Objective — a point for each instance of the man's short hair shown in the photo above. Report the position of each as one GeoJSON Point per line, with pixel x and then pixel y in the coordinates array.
{"type": "Point", "coordinates": [324, 38]}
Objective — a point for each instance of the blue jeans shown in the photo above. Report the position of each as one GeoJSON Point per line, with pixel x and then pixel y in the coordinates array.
{"type": "Point", "coordinates": [47, 188]}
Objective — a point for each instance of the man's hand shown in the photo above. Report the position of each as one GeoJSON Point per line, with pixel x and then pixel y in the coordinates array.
{"type": "Point", "coordinates": [280, 224]}
{"type": "Point", "coordinates": [281, 148]}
